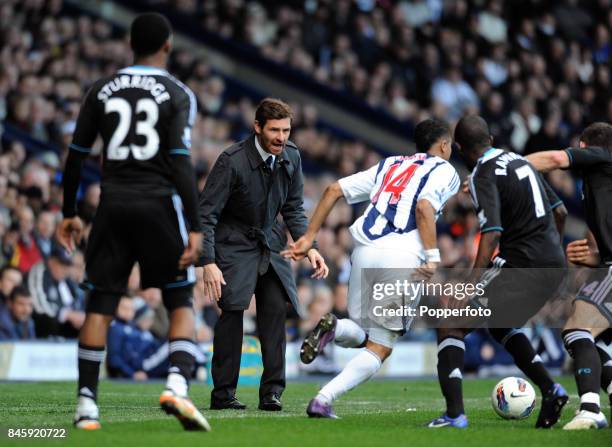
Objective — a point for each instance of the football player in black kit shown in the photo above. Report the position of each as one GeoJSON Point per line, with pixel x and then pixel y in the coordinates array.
{"type": "Point", "coordinates": [515, 210]}
{"type": "Point", "coordinates": [592, 312]}
{"type": "Point", "coordinates": [144, 118]}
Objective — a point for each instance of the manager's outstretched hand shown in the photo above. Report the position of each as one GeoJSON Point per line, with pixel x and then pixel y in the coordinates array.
{"type": "Point", "coordinates": [298, 250]}
{"type": "Point", "coordinates": [302, 248]}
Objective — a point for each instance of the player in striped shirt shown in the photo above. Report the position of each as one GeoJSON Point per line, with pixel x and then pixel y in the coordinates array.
{"type": "Point", "coordinates": [406, 195]}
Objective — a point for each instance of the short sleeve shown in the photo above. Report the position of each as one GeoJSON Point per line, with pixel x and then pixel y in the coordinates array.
{"type": "Point", "coordinates": [552, 196]}
{"type": "Point", "coordinates": [441, 186]}
{"type": "Point", "coordinates": [358, 187]}
{"type": "Point", "coordinates": [485, 195]}
{"type": "Point", "coordinates": [179, 136]}
{"type": "Point", "coordinates": [580, 158]}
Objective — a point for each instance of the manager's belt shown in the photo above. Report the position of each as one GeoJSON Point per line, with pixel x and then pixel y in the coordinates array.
{"type": "Point", "coordinates": [257, 234]}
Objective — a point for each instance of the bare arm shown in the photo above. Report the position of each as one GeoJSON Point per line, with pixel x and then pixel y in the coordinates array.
{"type": "Point", "coordinates": [426, 224]}
{"type": "Point", "coordinates": [300, 248]}
{"type": "Point", "coordinates": [548, 160]}
{"type": "Point", "coordinates": [331, 195]}
{"type": "Point", "coordinates": [486, 248]}
{"type": "Point", "coordinates": [560, 214]}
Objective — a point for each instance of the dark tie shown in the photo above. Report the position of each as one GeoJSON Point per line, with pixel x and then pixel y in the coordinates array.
{"type": "Point", "coordinates": [270, 162]}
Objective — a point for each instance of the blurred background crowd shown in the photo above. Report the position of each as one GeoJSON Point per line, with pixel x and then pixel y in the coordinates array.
{"type": "Point", "coordinates": [537, 71]}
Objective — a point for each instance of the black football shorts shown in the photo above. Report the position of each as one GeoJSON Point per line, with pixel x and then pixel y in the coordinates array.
{"type": "Point", "coordinates": [147, 230]}
{"type": "Point", "coordinates": [514, 295]}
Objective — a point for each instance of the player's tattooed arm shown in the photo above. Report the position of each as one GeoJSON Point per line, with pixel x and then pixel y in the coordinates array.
{"type": "Point", "coordinates": [548, 160]}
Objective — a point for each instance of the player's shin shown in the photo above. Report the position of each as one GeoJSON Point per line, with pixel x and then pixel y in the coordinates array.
{"type": "Point", "coordinates": [525, 357]}
{"type": "Point", "coordinates": [182, 350]}
{"type": "Point", "coordinates": [182, 361]}
{"type": "Point", "coordinates": [90, 358]}
{"type": "Point", "coordinates": [606, 368]}
{"type": "Point", "coordinates": [92, 341]}
{"type": "Point", "coordinates": [363, 366]}
{"type": "Point", "coordinates": [451, 359]}
{"type": "Point", "coordinates": [587, 367]}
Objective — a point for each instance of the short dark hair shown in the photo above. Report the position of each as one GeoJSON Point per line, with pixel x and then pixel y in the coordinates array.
{"type": "Point", "coordinates": [428, 132]}
{"type": "Point", "coordinates": [148, 33]}
{"type": "Point", "coordinates": [19, 291]}
{"type": "Point", "coordinates": [6, 268]}
{"type": "Point", "coordinates": [472, 132]}
{"type": "Point", "coordinates": [598, 134]}
{"type": "Point", "coordinates": [272, 109]}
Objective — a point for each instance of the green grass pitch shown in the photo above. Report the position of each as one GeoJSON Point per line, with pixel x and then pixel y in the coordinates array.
{"type": "Point", "coordinates": [385, 413]}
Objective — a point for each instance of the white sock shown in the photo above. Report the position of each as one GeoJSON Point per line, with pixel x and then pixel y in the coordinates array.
{"type": "Point", "coordinates": [349, 334]}
{"type": "Point", "coordinates": [590, 398]}
{"type": "Point", "coordinates": [87, 407]}
{"type": "Point", "coordinates": [363, 366]}
{"type": "Point", "coordinates": [177, 384]}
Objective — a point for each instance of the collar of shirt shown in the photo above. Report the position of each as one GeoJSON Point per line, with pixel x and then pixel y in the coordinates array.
{"type": "Point", "coordinates": [264, 155]}
{"type": "Point", "coordinates": [487, 153]}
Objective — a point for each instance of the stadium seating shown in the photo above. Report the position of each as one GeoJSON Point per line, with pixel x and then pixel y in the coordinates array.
{"type": "Point", "coordinates": [536, 83]}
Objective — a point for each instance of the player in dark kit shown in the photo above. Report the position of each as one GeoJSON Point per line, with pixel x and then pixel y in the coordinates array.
{"type": "Point", "coordinates": [515, 210]}
{"type": "Point", "coordinates": [592, 312]}
{"type": "Point", "coordinates": [144, 117]}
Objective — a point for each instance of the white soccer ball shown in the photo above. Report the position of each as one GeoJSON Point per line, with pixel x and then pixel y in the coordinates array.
{"type": "Point", "coordinates": [513, 398]}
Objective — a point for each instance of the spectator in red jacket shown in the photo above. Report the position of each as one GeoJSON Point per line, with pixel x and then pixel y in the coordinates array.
{"type": "Point", "coordinates": [26, 253]}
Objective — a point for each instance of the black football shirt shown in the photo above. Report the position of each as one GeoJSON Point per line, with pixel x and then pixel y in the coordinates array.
{"type": "Point", "coordinates": [510, 196]}
{"type": "Point", "coordinates": [594, 165]}
{"type": "Point", "coordinates": [144, 117]}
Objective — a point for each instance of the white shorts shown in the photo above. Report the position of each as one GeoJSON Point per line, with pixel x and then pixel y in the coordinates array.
{"type": "Point", "coordinates": [367, 257]}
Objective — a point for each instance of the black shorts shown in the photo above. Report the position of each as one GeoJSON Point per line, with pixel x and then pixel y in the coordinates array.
{"type": "Point", "coordinates": [150, 231]}
{"type": "Point", "coordinates": [597, 290]}
{"type": "Point", "coordinates": [514, 295]}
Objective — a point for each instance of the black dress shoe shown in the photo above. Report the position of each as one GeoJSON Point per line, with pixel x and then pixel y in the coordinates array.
{"type": "Point", "coordinates": [229, 404]}
{"type": "Point", "coordinates": [270, 402]}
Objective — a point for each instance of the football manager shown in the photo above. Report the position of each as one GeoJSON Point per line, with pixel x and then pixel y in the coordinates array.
{"type": "Point", "coordinates": [251, 184]}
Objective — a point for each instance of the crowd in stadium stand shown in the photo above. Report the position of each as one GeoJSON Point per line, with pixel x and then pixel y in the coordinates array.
{"type": "Point", "coordinates": [48, 61]}
{"type": "Point", "coordinates": [536, 83]}
{"type": "Point", "coordinates": [538, 69]}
